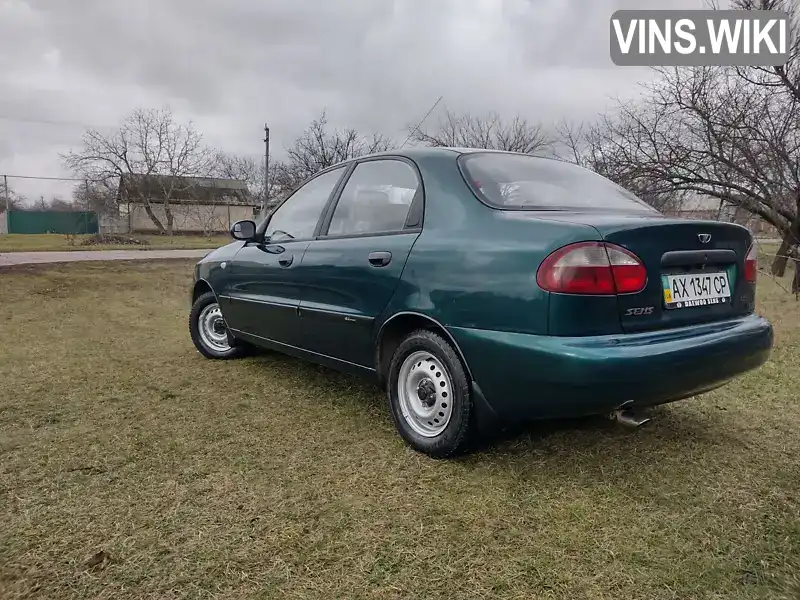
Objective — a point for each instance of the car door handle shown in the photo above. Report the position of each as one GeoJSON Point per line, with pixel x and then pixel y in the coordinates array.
{"type": "Point", "coordinates": [380, 259]}
{"type": "Point", "coordinates": [286, 261]}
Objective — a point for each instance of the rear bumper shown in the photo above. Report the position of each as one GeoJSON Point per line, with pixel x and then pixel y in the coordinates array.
{"type": "Point", "coordinates": [530, 376]}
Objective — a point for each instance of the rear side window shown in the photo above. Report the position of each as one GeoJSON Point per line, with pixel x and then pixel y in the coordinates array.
{"type": "Point", "coordinates": [376, 199]}
{"type": "Point", "coordinates": [520, 182]}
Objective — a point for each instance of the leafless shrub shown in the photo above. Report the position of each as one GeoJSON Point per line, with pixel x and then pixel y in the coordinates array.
{"type": "Point", "coordinates": [489, 131]}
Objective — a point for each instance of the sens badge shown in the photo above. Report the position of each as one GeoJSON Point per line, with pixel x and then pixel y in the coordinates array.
{"type": "Point", "coordinates": [639, 311]}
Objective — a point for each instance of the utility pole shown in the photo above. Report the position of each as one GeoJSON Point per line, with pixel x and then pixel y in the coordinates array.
{"type": "Point", "coordinates": [6, 216]}
{"type": "Point", "coordinates": [89, 208]}
{"type": "Point", "coordinates": [266, 166]}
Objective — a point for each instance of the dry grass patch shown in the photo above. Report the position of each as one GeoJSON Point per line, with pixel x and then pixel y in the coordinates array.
{"type": "Point", "coordinates": [130, 467]}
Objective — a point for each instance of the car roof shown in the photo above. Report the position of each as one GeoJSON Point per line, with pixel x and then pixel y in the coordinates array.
{"type": "Point", "coordinates": [424, 152]}
{"type": "Point", "coordinates": [413, 152]}
{"type": "Point", "coordinates": [428, 151]}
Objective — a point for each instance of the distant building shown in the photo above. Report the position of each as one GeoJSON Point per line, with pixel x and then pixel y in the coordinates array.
{"type": "Point", "coordinates": [706, 207]}
{"type": "Point", "coordinates": [198, 204]}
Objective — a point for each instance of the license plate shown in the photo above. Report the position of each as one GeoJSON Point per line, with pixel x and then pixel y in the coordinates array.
{"type": "Point", "coordinates": [696, 289]}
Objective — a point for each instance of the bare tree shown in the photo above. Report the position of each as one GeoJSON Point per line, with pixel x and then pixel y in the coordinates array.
{"type": "Point", "coordinates": [59, 204]}
{"type": "Point", "coordinates": [319, 147]}
{"type": "Point", "coordinates": [13, 202]}
{"type": "Point", "coordinates": [251, 171]}
{"type": "Point", "coordinates": [785, 78]}
{"type": "Point", "coordinates": [56, 203]}
{"type": "Point", "coordinates": [241, 168]}
{"type": "Point", "coordinates": [783, 81]}
{"type": "Point", "coordinates": [488, 131]}
{"type": "Point", "coordinates": [727, 133]}
{"type": "Point", "coordinates": [152, 157]}
{"type": "Point", "coordinates": [247, 169]}
{"type": "Point", "coordinates": [711, 132]}
{"type": "Point", "coordinates": [596, 146]}
{"type": "Point", "coordinates": [97, 196]}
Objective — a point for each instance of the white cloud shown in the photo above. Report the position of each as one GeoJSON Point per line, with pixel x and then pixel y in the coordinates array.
{"type": "Point", "coordinates": [229, 66]}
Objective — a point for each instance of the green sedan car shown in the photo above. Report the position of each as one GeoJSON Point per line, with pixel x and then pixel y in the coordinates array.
{"type": "Point", "coordinates": [483, 287]}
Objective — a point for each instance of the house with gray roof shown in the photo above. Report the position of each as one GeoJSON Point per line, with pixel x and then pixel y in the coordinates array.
{"type": "Point", "coordinates": [200, 205]}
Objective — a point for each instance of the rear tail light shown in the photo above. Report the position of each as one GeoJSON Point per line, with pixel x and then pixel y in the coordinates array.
{"type": "Point", "coordinates": [592, 268]}
{"type": "Point", "coordinates": [751, 264]}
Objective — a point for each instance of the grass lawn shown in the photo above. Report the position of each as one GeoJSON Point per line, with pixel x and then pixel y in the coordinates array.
{"type": "Point", "coordinates": [18, 242]}
{"type": "Point", "coordinates": [267, 477]}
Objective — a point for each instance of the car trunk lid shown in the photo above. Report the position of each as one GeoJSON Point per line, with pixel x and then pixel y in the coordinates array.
{"type": "Point", "coordinates": [700, 263]}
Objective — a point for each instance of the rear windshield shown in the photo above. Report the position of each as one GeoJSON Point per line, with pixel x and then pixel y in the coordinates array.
{"type": "Point", "coordinates": [519, 182]}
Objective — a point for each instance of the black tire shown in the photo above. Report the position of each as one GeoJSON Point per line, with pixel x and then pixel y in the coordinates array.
{"type": "Point", "coordinates": [457, 436]}
{"type": "Point", "coordinates": [234, 351]}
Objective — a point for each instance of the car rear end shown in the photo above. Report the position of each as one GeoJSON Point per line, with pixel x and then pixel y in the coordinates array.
{"type": "Point", "coordinates": [662, 273]}
{"type": "Point", "coordinates": [650, 310]}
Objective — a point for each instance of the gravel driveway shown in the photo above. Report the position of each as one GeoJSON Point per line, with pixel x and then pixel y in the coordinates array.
{"type": "Point", "coordinates": [28, 258]}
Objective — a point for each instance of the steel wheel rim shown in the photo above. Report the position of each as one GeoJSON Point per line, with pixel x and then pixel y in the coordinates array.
{"type": "Point", "coordinates": [424, 390]}
{"type": "Point", "coordinates": [212, 328]}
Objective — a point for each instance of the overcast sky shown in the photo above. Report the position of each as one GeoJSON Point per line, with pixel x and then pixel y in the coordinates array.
{"type": "Point", "coordinates": [231, 65]}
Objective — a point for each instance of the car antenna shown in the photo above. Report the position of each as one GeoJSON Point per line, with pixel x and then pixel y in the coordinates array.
{"type": "Point", "coordinates": [427, 114]}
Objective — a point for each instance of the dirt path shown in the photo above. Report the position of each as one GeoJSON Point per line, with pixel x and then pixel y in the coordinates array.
{"type": "Point", "coordinates": [28, 258]}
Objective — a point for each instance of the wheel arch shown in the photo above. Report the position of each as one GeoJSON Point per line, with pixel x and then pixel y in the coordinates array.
{"type": "Point", "coordinates": [201, 286]}
{"type": "Point", "coordinates": [396, 327]}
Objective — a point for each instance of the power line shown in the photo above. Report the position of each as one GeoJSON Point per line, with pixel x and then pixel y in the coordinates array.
{"type": "Point", "coordinates": [87, 126]}
{"type": "Point", "coordinates": [16, 119]}
{"type": "Point", "coordinates": [49, 178]}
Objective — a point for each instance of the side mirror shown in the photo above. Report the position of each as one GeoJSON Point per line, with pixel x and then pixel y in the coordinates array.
{"type": "Point", "coordinates": [243, 230]}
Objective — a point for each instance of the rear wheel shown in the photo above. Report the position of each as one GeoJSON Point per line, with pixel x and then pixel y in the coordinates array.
{"type": "Point", "coordinates": [209, 331]}
{"type": "Point", "coordinates": [429, 395]}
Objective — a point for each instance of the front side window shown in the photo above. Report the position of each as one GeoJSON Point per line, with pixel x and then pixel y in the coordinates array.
{"type": "Point", "coordinates": [519, 182]}
{"type": "Point", "coordinates": [376, 199]}
{"type": "Point", "coordinates": [297, 218]}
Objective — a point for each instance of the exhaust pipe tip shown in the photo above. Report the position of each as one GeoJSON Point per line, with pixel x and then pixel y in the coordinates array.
{"type": "Point", "coordinates": [628, 418]}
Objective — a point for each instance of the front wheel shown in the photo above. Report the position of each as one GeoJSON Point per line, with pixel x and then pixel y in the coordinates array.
{"type": "Point", "coordinates": [429, 395]}
{"type": "Point", "coordinates": [208, 329]}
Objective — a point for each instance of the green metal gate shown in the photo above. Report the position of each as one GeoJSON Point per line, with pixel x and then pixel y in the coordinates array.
{"type": "Point", "coordinates": [52, 221]}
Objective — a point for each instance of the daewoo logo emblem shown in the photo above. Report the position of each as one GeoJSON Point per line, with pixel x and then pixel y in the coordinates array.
{"type": "Point", "coordinates": [704, 237]}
